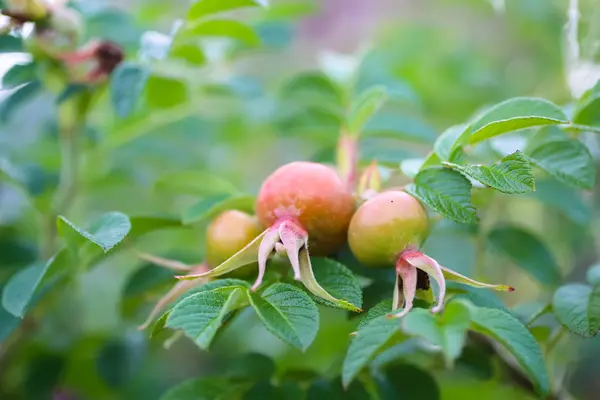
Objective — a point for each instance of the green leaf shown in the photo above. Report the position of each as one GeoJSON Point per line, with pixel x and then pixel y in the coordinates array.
{"type": "Point", "coordinates": [369, 340]}
{"type": "Point", "coordinates": [10, 44]}
{"type": "Point", "coordinates": [577, 307]}
{"type": "Point", "coordinates": [512, 175]}
{"type": "Point", "coordinates": [205, 388]}
{"type": "Point", "coordinates": [209, 207]}
{"type": "Point", "coordinates": [126, 86]}
{"type": "Point", "coordinates": [224, 28]}
{"type": "Point", "coordinates": [202, 8]}
{"type": "Point", "coordinates": [19, 74]}
{"type": "Point", "coordinates": [141, 225]}
{"type": "Point", "coordinates": [17, 98]}
{"type": "Point", "coordinates": [569, 161]}
{"type": "Point", "coordinates": [527, 252]}
{"type": "Point", "coordinates": [337, 280]}
{"type": "Point", "coordinates": [413, 382]}
{"type": "Point", "coordinates": [201, 315]}
{"type": "Point", "coordinates": [22, 288]}
{"type": "Point", "coordinates": [165, 92]}
{"type": "Point", "coordinates": [514, 114]}
{"type": "Point", "coordinates": [587, 108]}
{"type": "Point", "coordinates": [8, 323]}
{"type": "Point", "coordinates": [384, 307]}
{"type": "Point", "coordinates": [399, 127]}
{"type": "Point", "coordinates": [515, 337]}
{"type": "Point", "coordinates": [190, 52]}
{"type": "Point", "coordinates": [448, 330]}
{"type": "Point", "coordinates": [288, 313]}
{"type": "Point", "coordinates": [195, 183]}
{"type": "Point", "coordinates": [446, 143]}
{"type": "Point", "coordinates": [593, 275]}
{"type": "Point", "coordinates": [311, 88]}
{"type": "Point", "coordinates": [564, 198]}
{"type": "Point", "coordinates": [445, 191]}
{"type": "Point", "coordinates": [106, 232]}
{"type": "Point", "coordinates": [364, 107]}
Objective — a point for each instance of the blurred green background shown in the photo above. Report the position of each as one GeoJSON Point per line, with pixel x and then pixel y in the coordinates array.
{"type": "Point", "coordinates": [220, 108]}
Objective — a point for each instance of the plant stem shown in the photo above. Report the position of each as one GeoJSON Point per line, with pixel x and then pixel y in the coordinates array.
{"type": "Point", "coordinates": [67, 185]}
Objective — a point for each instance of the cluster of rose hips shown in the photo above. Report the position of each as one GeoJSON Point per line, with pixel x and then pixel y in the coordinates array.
{"type": "Point", "coordinates": [55, 37]}
{"type": "Point", "coordinates": [304, 209]}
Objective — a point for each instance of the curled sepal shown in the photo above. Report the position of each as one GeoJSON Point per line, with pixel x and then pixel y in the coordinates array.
{"type": "Point", "coordinates": [408, 274]}
{"type": "Point", "coordinates": [456, 277]}
{"type": "Point", "coordinates": [407, 265]}
{"type": "Point", "coordinates": [310, 282]}
{"type": "Point", "coordinates": [245, 256]}
{"type": "Point", "coordinates": [433, 269]}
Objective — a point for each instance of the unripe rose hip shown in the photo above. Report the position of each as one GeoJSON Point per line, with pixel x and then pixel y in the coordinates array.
{"type": "Point", "coordinates": [388, 230]}
{"type": "Point", "coordinates": [227, 234]}
{"type": "Point", "coordinates": [384, 226]}
{"type": "Point", "coordinates": [312, 195]}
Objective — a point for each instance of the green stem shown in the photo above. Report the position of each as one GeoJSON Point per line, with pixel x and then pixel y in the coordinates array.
{"type": "Point", "coordinates": [557, 335]}
{"type": "Point", "coordinates": [68, 178]}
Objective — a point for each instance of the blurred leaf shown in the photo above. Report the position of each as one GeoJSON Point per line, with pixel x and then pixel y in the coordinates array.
{"type": "Point", "coordinates": [514, 114]}
{"type": "Point", "coordinates": [10, 44]}
{"type": "Point", "coordinates": [195, 182]}
{"type": "Point", "coordinates": [515, 337]}
{"type": "Point", "coordinates": [142, 225]}
{"type": "Point", "coordinates": [569, 161]}
{"type": "Point", "coordinates": [20, 291]}
{"type": "Point", "coordinates": [205, 388]}
{"type": "Point", "coordinates": [364, 106]}
{"type": "Point", "coordinates": [290, 10]}
{"type": "Point", "coordinates": [106, 232]}
{"type": "Point", "coordinates": [202, 8]}
{"type": "Point", "coordinates": [411, 382]}
{"type": "Point", "coordinates": [445, 191]}
{"type": "Point", "coordinates": [447, 330]}
{"type": "Point", "coordinates": [17, 98]}
{"type": "Point", "coordinates": [513, 175]}
{"type": "Point", "coordinates": [163, 92]}
{"type": "Point", "coordinates": [126, 86]}
{"type": "Point", "coordinates": [224, 28]}
{"type": "Point", "coordinates": [587, 109]}
{"type": "Point", "coordinates": [209, 207]}
{"type": "Point", "coordinates": [399, 127]}
{"type": "Point", "coordinates": [145, 279]}
{"type": "Point", "coordinates": [311, 88]}
{"type": "Point", "coordinates": [593, 275]}
{"type": "Point", "coordinates": [249, 367]}
{"type": "Point", "coordinates": [19, 74]}
{"type": "Point", "coordinates": [118, 359]}
{"type": "Point", "coordinates": [43, 373]}
{"type": "Point", "coordinates": [564, 198]}
{"type": "Point", "coordinates": [114, 24]}
{"type": "Point", "coordinates": [288, 313]}
{"type": "Point", "coordinates": [336, 279]}
{"type": "Point", "coordinates": [189, 52]}
{"type": "Point", "coordinates": [577, 307]}
{"type": "Point", "coordinates": [8, 323]}
{"type": "Point", "coordinates": [369, 340]}
{"type": "Point", "coordinates": [527, 252]}
{"type": "Point", "coordinates": [384, 151]}
{"type": "Point", "coordinates": [274, 34]}
{"type": "Point", "coordinates": [72, 90]}
{"type": "Point", "coordinates": [201, 315]}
